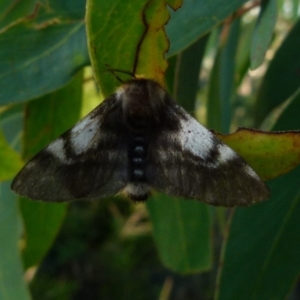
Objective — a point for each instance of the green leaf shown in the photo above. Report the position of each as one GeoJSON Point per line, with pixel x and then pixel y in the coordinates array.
{"type": "Point", "coordinates": [263, 32]}
{"type": "Point", "coordinates": [243, 52]}
{"type": "Point", "coordinates": [287, 119]}
{"type": "Point", "coordinates": [67, 10]}
{"type": "Point", "coordinates": [10, 160]}
{"type": "Point", "coordinates": [12, 285]}
{"type": "Point", "coordinates": [261, 259]}
{"type": "Point", "coordinates": [196, 18]}
{"type": "Point", "coordinates": [11, 269]}
{"type": "Point", "coordinates": [13, 10]}
{"type": "Point", "coordinates": [219, 106]}
{"type": "Point", "coordinates": [181, 230]}
{"type": "Point", "coordinates": [282, 77]}
{"type": "Point", "coordinates": [185, 77]}
{"type": "Point", "coordinates": [261, 256]}
{"type": "Point", "coordinates": [213, 106]}
{"type": "Point", "coordinates": [46, 118]}
{"type": "Point", "coordinates": [11, 123]}
{"type": "Point", "coordinates": [50, 56]}
{"type": "Point", "coordinates": [42, 222]}
{"type": "Point", "coordinates": [227, 71]}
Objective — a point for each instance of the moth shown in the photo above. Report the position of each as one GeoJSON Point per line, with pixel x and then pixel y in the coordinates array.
{"type": "Point", "coordinates": [138, 140]}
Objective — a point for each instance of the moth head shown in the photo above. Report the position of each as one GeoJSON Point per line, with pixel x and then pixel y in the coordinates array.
{"type": "Point", "coordinates": [142, 99]}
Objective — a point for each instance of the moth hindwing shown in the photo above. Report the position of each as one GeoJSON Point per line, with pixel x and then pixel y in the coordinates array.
{"type": "Point", "coordinates": [137, 140]}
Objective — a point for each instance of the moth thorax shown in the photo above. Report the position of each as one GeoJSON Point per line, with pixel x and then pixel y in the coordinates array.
{"type": "Point", "coordinates": [142, 101]}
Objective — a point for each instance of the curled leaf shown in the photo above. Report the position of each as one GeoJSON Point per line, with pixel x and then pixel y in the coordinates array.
{"type": "Point", "coordinates": [132, 39]}
{"type": "Point", "coordinates": [154, 44]}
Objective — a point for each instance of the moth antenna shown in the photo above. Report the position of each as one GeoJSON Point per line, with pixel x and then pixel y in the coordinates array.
{"type": "Point", "coordinates": [113, 71]}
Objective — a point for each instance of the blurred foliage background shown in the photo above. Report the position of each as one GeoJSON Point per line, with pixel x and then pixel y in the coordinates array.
{"type": "Point", "coordinates": [231, 64]}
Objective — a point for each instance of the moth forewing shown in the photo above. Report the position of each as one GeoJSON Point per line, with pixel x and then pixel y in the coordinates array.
{"type": "Point", "coordinates": [139, 139]}
{"type": "Point", "coordinates": [88, 161]}
{"type": "Point", "coordinates": [191, 162]}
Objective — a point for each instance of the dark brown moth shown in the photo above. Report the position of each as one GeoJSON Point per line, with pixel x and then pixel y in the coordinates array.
{"type": "Point", "coordinates": [136, 141]}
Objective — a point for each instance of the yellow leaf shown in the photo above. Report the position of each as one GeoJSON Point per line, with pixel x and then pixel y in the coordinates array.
{"type": "Point", "coordinates": [270, 154]}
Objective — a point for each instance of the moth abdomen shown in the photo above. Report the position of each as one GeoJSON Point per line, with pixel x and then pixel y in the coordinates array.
{"type": "Point", "coordinates": [137, 156]}
{"type": "Point", "coordinates": [139, 197]}
{"type": "Point", "coordinates": [137, 191]}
